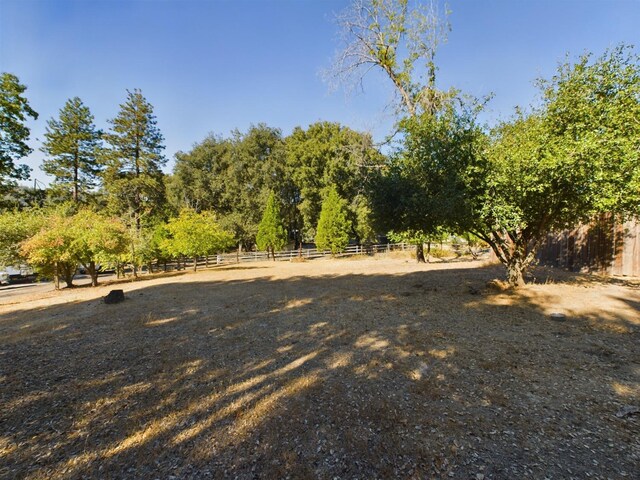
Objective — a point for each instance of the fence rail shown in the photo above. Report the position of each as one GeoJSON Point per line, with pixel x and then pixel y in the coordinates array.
{"type": "Point", "coordinates": [283, 255]}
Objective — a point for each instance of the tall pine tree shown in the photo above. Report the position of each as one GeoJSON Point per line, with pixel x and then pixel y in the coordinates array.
{"type": "Point", "coordinates": [133, 178]}
{"type": "Point", "coordinates": [72, 144]}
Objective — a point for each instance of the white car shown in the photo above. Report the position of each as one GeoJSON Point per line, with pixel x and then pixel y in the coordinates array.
{"type": "Point", "coordinates": [4, 278]}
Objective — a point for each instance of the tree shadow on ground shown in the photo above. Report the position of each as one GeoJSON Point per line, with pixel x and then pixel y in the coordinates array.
{"type": "Point", "coordinates": [351, 376]}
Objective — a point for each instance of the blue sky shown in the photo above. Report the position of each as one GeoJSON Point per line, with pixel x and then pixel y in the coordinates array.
{"type": "Point", "coordinates": [212, 66]}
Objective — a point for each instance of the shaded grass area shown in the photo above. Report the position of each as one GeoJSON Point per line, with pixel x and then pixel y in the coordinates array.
{"type": "Point", "coordinates": [387, 374]}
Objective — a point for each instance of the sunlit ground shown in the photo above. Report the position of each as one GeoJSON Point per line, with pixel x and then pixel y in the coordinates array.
{"type": "Point", "coordinates": [326, 369]}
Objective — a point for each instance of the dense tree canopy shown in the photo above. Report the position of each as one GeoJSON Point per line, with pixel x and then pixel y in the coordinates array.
{"type": "Point", "coordinates": [16, 227]}
{"type": "Point", "coordinates": [425, 186]}
{"type": "Point", "coordinates": [232, 177]}
{"type": "Point", "coordinates": [331, 155]}
{"type": "Point", "coordinates": [198, 180]}
{"type": "Point", "coordinates": [65, 240]}
{"type": "Point", "coordinates": [97, 239]}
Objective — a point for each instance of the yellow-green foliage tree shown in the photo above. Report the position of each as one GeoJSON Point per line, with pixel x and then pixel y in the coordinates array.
{"type": "Point", "coordinates": [15, 228]}
{"type": "Point", "coordinates": [96, 240]}
{"type": "Point", "coordinates": [195, 235]}
{"type": "Point", "coordinates": [64, 242]}
{"type": "Point", "coordinates": [49, 250]}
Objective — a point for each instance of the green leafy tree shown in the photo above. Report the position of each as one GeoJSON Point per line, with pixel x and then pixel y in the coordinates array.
{"type": "Point", "coordinates": [573, 156]}
{"type": "Point", "coordinates": [14, 110]}
{"type": "Point", "coordinates": [195, 235]}
{"type": "Point", "coordinates": [271, 234]}
{"type": "Point", "coordinates": [152, 248]}
{"type": "Point", "coordinates": [72, 145]}
{"type": "Point", "coordinates": [334, 225]}
{"type": "Point", "coordinates": [423, 190]}
{"type": "Point", "coordinates": [133, 177]}
{"type": "Point", "coordinates": [255, 169]}
{"type": "Point", "coordinates": [199, 176]}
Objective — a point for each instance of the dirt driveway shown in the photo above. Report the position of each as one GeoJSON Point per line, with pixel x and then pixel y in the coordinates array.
{"type": "Point", "coordinates": [326, 369]}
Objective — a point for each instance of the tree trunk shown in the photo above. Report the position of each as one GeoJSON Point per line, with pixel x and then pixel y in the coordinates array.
{"type": "Point", "coordinates": [420, 253]}
{"type": "Point", "coordinates": [195, 264]}
{"type": "Point", "coordinates": [133, 259]}
{"type": "Point", "coordinates": [517, 262]}
{"type": "Point", "coordinates": [75, 179]}
{"type": "Point", "coordinates": [68, 272]}
{"type": "Point", "coordinates": [515, 274]}
{"type": "Point", "coordinates": [428, 250]}
{"type": "Point", "coordinates": [93, 272]}
{"type": "Point", "coordinates": [56, 276]}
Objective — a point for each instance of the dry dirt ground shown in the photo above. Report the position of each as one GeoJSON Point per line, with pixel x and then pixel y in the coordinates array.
{"type": "Point", "coordinates": [377, 368]}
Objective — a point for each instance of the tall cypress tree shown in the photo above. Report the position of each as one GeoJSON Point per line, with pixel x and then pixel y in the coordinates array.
{"type": "Point", "coordinates": [334, 225]}
{"type": "Point", "coordinates": [72, 143]}
{"type": "Point", "coordinates": [271, 234]}
{"type": "Point", "coordinates": [133, 177]}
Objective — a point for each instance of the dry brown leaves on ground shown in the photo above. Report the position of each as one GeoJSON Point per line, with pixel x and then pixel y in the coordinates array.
{"type": "Point", "coordinates": [324, 369]}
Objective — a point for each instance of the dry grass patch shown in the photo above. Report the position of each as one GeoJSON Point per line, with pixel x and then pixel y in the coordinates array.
{"type": "Point", "coordinates": [378, 368]}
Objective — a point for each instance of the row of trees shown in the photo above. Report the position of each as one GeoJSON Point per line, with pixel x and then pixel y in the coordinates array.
{"type": "Point", "coordinates": [574, 154]}
{"type": "Point", "coordinates": [57, 240]}
{"type": "Point", "coordinates": [125, 162]}
{"type": "Point", "coordinates": [235, 176]}
{"type": "Point", "coordinates": [121, 170]}
{"type": "Point", "coordinates": [238, 180]}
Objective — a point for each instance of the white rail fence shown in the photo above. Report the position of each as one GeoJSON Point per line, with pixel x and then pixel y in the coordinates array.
{"type": "Point", "coordinates": [283, 255]}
